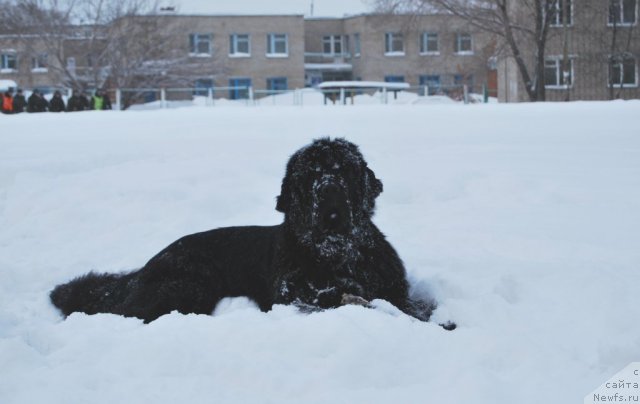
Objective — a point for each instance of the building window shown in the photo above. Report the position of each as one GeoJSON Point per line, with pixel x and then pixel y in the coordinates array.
{"type": "Point", "coordinates": [332, 45]}
{"type": "Point", "coordinates": [557, 12]}
{"type": "Point", "coordinates": [8, 62]}
{"type": "Point", "coordinates": [200, 44]}
{"type": "Point", "coordinates": [94, 61]}
{"type": "Point", "coordinates": [462, 80]}
{"type": "Point", "coordinates": [394, 44]}
{"type": "Point", "coordinates": [394, 79]}
{"type": "Point", "coordinates": [356, 45]}
{"type": "Point", "coordinates": [623, 12]}
{"type": "Point", "coordinates": [277, 45]}
{"type": "Point", "coordinates": [71, 64]}
{"type": "Point", "coordinates": [623, 72]}
{"type": "Point", "coordinates": [202, 87]}
{"type": "Point", "coordinates": [239, 45]}
{"type": "Point", "coordinates": [429, 43]}
{"type": "Point", "coordinates": [39, 63]}
{"type": "Point", "coordinates": [277, 84]}
{"type": "Point", "coordinates": [464, 44]}
{"type": "Point", "coordinates": [239, 88]}
{"type": "Point", "coordinates": [553, 74]}
{"type": "Point", "coordinates": [431, 82]}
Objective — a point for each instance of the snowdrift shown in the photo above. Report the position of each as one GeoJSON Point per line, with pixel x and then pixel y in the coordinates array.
{"type": "Point", "coordinates": [521, 220]}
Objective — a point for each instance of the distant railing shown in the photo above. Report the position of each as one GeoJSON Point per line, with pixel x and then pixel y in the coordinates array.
{"type": "Point", "coordinates": [159, 98]}
{"type": "Point", "coordinates": [347, 93]}
{"type": "Point", "coordinates": [320, 57]}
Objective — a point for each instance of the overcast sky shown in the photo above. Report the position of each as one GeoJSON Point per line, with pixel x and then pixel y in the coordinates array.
{"type": "Point", "coordinates": [322, 8]}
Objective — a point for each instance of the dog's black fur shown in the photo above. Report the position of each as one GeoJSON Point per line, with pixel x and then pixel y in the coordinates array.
{"type": "Point", "coordinates": [326, 253]}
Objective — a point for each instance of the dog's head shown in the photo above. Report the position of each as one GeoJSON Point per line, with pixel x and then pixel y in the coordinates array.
{"type": "Point", "coordinates": [328, 197]}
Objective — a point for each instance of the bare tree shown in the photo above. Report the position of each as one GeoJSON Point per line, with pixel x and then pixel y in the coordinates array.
{"type": "Point", "coordinates": [157, 58]}
{"type": "Point", "coordinates": [93, 43]}
{"type": "Point", "coordinates": [523, 25]}
{"type": "Point", "coordinates": [40, 30]}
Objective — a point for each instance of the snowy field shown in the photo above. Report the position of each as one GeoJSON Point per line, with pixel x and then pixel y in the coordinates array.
{"type": "Point", "coordinates": [521, 220]}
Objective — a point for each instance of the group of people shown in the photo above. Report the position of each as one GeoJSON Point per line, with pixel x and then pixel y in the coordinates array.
{"type": "Point", "coordinates": [15, 104]}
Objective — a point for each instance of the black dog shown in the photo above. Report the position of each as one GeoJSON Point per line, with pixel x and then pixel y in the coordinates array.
{"type": "Point", "coordinates": [326, 253]}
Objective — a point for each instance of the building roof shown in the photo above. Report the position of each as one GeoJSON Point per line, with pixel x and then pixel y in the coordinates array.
{"type": "Point", "coordinates": [308, 8]}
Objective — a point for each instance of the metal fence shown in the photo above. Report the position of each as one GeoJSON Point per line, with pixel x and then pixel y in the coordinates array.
{"type": "Point", "coordinates": [248, 96]}
{"type": "Point", "coordinates": [160, 98]}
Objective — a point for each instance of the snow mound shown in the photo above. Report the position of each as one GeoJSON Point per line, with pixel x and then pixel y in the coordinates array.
{"type": "Point", "coordinates": [520, 220]}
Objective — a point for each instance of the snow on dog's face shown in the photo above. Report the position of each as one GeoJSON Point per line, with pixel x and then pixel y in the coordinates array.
{"type": "Point", "coordinates": [328, 197]}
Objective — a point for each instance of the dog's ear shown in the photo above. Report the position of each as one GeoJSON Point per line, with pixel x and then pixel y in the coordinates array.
{"type": "Point", "coordinates": [373, 185]}
{"type": "Point", "coordinates": [372, 188]}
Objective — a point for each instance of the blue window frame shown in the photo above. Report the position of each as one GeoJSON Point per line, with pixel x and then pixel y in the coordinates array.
{"type": "Point", "coordinates": [277, 84]}
{"type": "Point", "coordinates": [432, 81]}
{"type": "Point", "coordinates": [149, 96]}
{"type": "Point", "coordinates": [239, 88]}
{"type": "Point", "coordinates": [202, 87]}
{"type": "Point", "coordinates": [394, 79]}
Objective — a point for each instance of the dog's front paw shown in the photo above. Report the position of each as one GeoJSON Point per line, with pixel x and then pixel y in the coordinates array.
{"type": "Point", "coordinates": [353, 299]}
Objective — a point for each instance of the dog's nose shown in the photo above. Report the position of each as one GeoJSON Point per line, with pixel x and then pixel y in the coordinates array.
{"type": "Point", "coordinates": [332, 220]}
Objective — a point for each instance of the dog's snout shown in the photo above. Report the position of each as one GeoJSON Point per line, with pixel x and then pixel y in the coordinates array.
{"type": "Point", "coordinates": [333, 208]}
{"type": "Point", "coordinates": [329, 189]}
{"type": "Point", "coordinates": [331, 194]}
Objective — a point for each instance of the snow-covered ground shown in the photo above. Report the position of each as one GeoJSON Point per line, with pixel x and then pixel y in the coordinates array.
{"type": "Point", "coordinates": [522, 220]}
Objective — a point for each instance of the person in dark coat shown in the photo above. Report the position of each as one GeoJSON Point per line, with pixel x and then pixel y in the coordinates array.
{"type": "Point", "coordinates": [19, 102]}
{"type": "Point", "coordinates": [36, 102]}
{"type": "Point", "coordinates": [77, 102]}
{"type": "Point", "coordinates": [57, 103]}
{"type": "Point", "coordinates": [100, 101]}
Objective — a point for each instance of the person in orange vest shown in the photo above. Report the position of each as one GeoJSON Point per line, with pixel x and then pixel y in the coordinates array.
{"type": "Point", "coordinates": [7, 101]}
